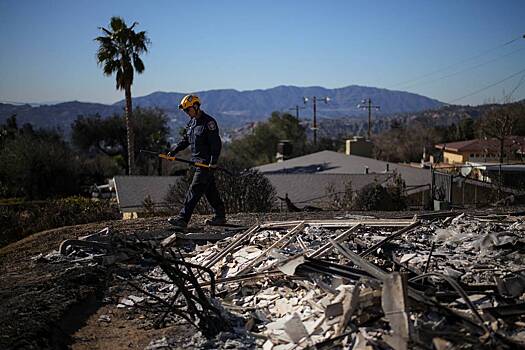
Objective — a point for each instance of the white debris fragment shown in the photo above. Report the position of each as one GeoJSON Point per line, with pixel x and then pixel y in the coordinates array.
{"type": "Point", "coordinates": [407, 257]}
{"type": "Point", "coordinates": [135, 299]}
{"type": "Point", "coordinates": [295, 329]}
{"type": "Point", "coordinates": [288, 268]}
{"type": "Point", "coordinates": [104, 318]}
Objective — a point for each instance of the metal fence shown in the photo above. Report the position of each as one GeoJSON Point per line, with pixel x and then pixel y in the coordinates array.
{"type": "Point", "coordinates": [457, 186]}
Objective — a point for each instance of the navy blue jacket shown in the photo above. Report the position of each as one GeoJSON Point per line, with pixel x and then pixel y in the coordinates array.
{"type": "Point", "coordinates": [202, 134]}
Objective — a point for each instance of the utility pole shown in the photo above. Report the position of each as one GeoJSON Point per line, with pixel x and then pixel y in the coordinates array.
{"type": "Point", "coordinates": [314, 128]}
{"type": "Point", "coordinates": [297, 108]}
{"type": "Point", "coordinates": [367, 104]}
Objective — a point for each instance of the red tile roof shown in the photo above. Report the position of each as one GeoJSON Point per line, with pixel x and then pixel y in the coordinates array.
{"type": "Point", "coordinates": [477, 145]}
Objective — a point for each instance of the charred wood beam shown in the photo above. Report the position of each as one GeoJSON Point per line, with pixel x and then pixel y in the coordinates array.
{"type": "Point", "coordinates": [330, 269]}
{"type": "Point", "coordinates": [327, 247]}
{"type": "Point", "coordinates": [230, 247]}
{"type": "Point", "coordinates": [253, 277]}
{"type": "Point", "coordinates": [429, 257]}
{"type": "Point", "coordinates": [288, 236]}
{"type": "Point", "coordinates": [339, 223]}
{"type": "Point", "coordinates": [390, 238]}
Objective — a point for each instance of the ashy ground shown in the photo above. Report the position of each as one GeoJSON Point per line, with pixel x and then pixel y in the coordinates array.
{"type": "Point", "coordinates": [45, 305]}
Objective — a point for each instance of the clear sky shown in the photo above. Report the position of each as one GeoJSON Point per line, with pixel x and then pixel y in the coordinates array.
{"type": "Point", "coordinates": [47, 52]}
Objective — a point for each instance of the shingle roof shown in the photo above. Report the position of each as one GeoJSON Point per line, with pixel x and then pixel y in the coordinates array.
{"type": "Point", "coordinates": [312, 188]}
{"type": "Point", "coordinates": [132, 190]}
{"type": "Point", "coordinates": [329, 162]}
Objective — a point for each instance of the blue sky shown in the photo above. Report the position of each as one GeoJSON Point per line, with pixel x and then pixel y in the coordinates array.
{"type": "Point", "coordinates": [48, 52]}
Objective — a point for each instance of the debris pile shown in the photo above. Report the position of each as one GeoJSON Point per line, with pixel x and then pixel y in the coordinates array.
{"type": "Point", "coordinates": [186, 299]}
{"type": "Point", "coordinates": [435, 282]}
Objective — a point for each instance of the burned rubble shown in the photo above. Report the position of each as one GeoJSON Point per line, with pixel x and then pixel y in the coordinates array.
{"type": "Point", "coordinates": [438, 281]}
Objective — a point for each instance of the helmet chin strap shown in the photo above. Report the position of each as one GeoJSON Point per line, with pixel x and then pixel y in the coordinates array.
{"type": "Point", "coordinates": [197, 109]}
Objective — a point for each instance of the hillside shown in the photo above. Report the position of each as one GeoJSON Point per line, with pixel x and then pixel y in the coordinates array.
{"type": "Point", "coordinates": [59, 116]}
{"type": "Point", "coordinates": [444, 116]}
{"type": "Point", "coordinates": [232, 108]}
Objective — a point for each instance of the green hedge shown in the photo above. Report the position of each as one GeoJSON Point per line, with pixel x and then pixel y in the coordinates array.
{"type": "Point", "coordinates": [20, 220]}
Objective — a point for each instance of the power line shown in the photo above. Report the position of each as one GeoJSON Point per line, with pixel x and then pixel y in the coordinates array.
{"type": "Point", "coordinates": [439, 70]}
{"type": "Point", "coordinates": [296, 109]}
{"type": "Point", "coordinates": [487, 87]}
{"type": "Point", "coordinates": [367, 104]}
{"type": "Point", "coordinates": [517, 86]}
{"type": "Point", "coordinates": [466, 69]}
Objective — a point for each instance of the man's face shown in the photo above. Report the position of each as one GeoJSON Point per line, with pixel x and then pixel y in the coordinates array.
{"type": "Point", "coordinates": [190, 111]}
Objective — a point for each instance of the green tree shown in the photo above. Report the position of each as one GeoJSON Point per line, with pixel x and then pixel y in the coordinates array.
{"type": "Point", "coordinates": [466, 127]}
{"type": "Point", "coordinates": [405, 143]}
{"type": "Point", "coordinates": [119, 52]}
{"type": "Point", "coordinates": [37, 165]}
{"type": "Point", "coordinates": [499, 123]}
{"type": "Point", "coordinates": [96, 135]}
{"type": "Point", "coordinates": [93, 134]}
{"type": "Point", "coordinates": [260, 147]}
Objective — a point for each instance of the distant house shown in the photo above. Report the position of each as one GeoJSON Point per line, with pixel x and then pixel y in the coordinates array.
{"type": "Point", "coordinates": [132, 192]}
{"type": "Point", "coordinates": [305, 178]}
{"type": "Point", "coordinates": [482, 151]}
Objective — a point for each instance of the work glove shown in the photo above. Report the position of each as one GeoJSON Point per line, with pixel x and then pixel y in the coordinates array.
{"type": "Point", "coordinates": [212, 164]}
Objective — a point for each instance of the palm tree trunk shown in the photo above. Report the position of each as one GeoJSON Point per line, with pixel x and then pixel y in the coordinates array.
{"type": "Point", "coordinates": [129, 128]}
{"type": "Point", "coordinates": [501, 148]}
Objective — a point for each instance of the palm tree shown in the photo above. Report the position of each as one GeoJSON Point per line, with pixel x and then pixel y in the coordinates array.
{"type": "Point", "coordinates": [119, 52]}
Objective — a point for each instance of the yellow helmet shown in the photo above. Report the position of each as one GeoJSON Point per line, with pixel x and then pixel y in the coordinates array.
{"type": "Point", "coordinates": [188, 101]}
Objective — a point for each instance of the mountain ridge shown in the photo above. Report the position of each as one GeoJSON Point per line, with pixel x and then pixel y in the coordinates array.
{"type": "Point", "coordinates": [231, 107]}
{"type": "Point", "coordinates": [256, 105]}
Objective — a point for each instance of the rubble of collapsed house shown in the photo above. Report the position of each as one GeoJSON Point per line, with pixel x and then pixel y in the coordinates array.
{"type": "Point", "coordinates": [437, 281]}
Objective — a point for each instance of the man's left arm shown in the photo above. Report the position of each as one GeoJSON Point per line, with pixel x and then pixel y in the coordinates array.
{"type": "Point", "coordinates": [214, 141]}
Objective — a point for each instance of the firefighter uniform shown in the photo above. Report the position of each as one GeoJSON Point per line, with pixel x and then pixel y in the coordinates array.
{"type": "Point", "coordinates": [202, 134]}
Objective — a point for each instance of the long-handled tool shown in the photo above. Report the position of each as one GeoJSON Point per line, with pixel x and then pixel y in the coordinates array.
{"type": "Point", "coordinates": [196, 164]}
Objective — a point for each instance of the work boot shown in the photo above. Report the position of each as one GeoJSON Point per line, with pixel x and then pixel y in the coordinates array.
{"type": "Point", "coordinates": [178, 222]}
{"type": "Point", "coordinates": [215, 221]}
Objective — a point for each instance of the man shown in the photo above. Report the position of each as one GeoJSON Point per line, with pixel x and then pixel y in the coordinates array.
{"type": "Point", "coordinates": [202, 133]}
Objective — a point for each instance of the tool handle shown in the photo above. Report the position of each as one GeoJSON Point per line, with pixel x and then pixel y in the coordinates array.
{"type": "Point", "coordinates": [197, 164]}
{"type": "Point", "coordinates": [165, 156]}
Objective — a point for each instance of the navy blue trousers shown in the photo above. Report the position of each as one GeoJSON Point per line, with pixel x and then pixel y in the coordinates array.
{"type": "Point", "coordinates": [203, 184]}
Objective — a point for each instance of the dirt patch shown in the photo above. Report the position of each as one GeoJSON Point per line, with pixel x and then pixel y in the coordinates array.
{"type": "Point", "coordinates": [112, 328]}
{"type": "Point", "coordinates": [39, 302]}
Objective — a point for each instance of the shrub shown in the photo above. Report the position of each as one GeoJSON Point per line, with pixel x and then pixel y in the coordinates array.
{"type": "Point", "coordinates": [244, 191]}
{"type": "Point", "coordinates": [38, 166]}
{"type": "Point", "coordinates": [340, 200]}
{"type": "Point", "coordinates": [20, 220]}
{"type": "Point", "coordinates": [375, 196]}
{"type": "Point", "coordinates": [396, 187]}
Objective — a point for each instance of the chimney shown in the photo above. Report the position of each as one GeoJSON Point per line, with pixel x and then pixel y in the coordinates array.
{"type": "Point", "coordinates": [284, 150]}
{"type": "Point", "coordinates": [366, 170]}
{"type": "Point", "coordinates": [359, 146]}
{"type": "Point", "coordinates": [387, 167]}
